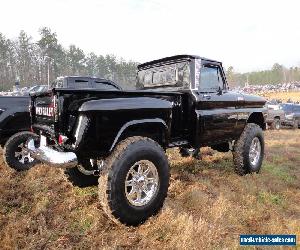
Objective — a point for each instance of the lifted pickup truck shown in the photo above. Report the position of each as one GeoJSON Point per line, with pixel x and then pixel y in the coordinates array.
{"type": "Point", "coordinates": [181, 101]}
{"type": "Point", "coordinates": [15, 118]}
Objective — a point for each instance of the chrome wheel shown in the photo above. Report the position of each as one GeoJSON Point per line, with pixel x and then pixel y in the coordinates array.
{"type": "Point", "coordinates": [141, 183]}
{"type": "Point", "coordinates": [22, 154]}
{"type": "Point", "coordinates": [255, 151]}
{"type": "Point", "coordinates": [277, 124]}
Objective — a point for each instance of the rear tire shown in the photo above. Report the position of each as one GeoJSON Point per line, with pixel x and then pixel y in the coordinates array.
{"type": "Point", "coordinates": [223, 147]}
{"type": "Point", "coordinates": [80, 179]}
{"type": "Point", "coordinates": [135, 181]}
{"type": "Point", "coordinates": [14, 153]}
{"type": "Point", "coordinates": [248, 150]}
{"type": "Point", "coordinates": [190, 152]}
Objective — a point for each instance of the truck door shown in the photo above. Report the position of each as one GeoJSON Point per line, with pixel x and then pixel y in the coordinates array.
{"type": "Point", "coordinates": [215, 107]}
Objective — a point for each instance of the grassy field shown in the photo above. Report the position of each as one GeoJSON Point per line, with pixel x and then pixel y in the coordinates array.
{"type": "Point", "coordinates": [208, 205]}
{"type": "Point", "coordinates": [284, 96]}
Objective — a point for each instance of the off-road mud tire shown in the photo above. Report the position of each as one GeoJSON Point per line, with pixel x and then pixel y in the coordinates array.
{"type": "Point", "coordinates": [186, 152]}
{"type": "Point", "coordinates": [11, 147]}
{"type": "Point", "coordinates": [79, 179]}
{"type": "Point", "coordinates": [241, 149]}
{"type": "Point", "coordinates": [111, 182]}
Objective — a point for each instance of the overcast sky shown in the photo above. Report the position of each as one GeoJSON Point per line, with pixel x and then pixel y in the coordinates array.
{"type": "Point", "coordinates": [247, 34]}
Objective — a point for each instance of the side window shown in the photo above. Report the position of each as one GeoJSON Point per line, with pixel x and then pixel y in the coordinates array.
{"type": "Point", "coordinates": [81, 84]}
{"type": "Point", "coordinates": [210, 79]}
{"type": "Point", "coordinates": [148, 78]}
{"type": "Point", "coordinates": [289, 108]}
{"type": "Point", "coordinates": [297, 108]}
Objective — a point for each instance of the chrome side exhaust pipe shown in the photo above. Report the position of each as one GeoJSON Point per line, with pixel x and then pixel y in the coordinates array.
{"type": "Point", "coordinates": [52, 157]}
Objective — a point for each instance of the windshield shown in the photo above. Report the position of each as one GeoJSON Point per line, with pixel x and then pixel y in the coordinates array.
{"type": "Point", "coordinates": [287, 107]}
{"type": "Point", "coordinates": [177, 74]}
{"type": "Point", "coordinates": [58, 83]}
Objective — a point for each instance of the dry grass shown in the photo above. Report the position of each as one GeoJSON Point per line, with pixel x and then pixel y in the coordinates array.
{"type": "Point", "coordinates": [284, 96]}
{"type": "Point", "coordinates": [208, 206]}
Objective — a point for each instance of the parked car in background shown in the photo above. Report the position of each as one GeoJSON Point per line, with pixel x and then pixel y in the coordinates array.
{"type": "Point", "coordinates": [292, 115]}
{"type": "Point", "coordinates": [14, 116]}
{"type": "Point", "coordinates": [35, 89]}
{"type": "Point", "coordinates": [275, 115]}
{"type": "Point", "coordinates": [25, 91]}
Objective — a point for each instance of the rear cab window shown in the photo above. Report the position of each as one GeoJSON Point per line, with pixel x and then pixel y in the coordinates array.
{"type": "Point", "coordinates": [81, 83]}
{"type": "Point", "coordinates": [176, 74]}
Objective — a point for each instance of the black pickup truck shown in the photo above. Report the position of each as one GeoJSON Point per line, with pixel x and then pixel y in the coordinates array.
{"type": "Point", "coordinates": [181, 101]}
{"type": "Point", "coordinates": [15, 117]}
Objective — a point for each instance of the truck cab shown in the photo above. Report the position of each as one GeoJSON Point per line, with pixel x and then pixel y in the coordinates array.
{"type": "Point", "coordinates": [209, 113]}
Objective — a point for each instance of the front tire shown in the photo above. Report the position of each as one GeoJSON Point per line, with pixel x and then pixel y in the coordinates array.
{"type": "Point", "coordinates": [135, 182]}
{"type": "Point", "coordinates": [15, 155]}
{"type": "Point", "coordinates": [248, 150]}
{"type": "Point", "coordinates": [296, 124]}
{"type": "Point", "coordinates": [276, 124]}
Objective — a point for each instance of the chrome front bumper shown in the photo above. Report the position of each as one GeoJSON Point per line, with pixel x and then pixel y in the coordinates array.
{"type": "Point", "coordinates": [50, 156]}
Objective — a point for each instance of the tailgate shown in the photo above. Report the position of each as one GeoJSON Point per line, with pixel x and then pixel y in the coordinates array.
{"type": "Point", "coordinates": [43, 109]}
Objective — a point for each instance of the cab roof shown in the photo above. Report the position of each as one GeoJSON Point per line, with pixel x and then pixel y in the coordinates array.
{"type": "Point", "coordinates": [84, 78]}
{"type": "Point", "coordinates": [173, 58]}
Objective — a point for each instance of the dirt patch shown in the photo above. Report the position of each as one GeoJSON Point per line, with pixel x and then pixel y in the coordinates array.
{"type": "Point", "coordinates": [208, 205]}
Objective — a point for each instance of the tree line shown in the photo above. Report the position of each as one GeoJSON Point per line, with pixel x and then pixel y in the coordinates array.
{"type": "Point", "coordinates": [31, 63]}
{"type": "Point", "coordinates": [277, 74]}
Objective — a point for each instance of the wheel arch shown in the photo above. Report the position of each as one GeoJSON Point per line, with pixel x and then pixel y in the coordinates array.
{"type": "Point", "coordinates": [257, 118]}
{"type": "Point", "coordinates": [155, 128]}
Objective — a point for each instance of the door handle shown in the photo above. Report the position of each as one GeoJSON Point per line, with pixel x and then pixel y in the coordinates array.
{"type": "Point", "coordinates": [208, 97]}
{"type": "Point", "coordinates": [240, 99]}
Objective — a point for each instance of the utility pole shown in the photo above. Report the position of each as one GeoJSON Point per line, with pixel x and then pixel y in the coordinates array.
{"type": "Point", "coordinates": [284, 75]}
{"type": "Point", "coordinates": [48, 80]}
{"type": "Point", "coordinates": [48, 69]}
{"type": "Point", "coordinates": [247, 82]}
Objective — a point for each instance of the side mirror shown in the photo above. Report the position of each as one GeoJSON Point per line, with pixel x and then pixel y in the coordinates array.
{"type": "Point", "coordinates": [220, 91]}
